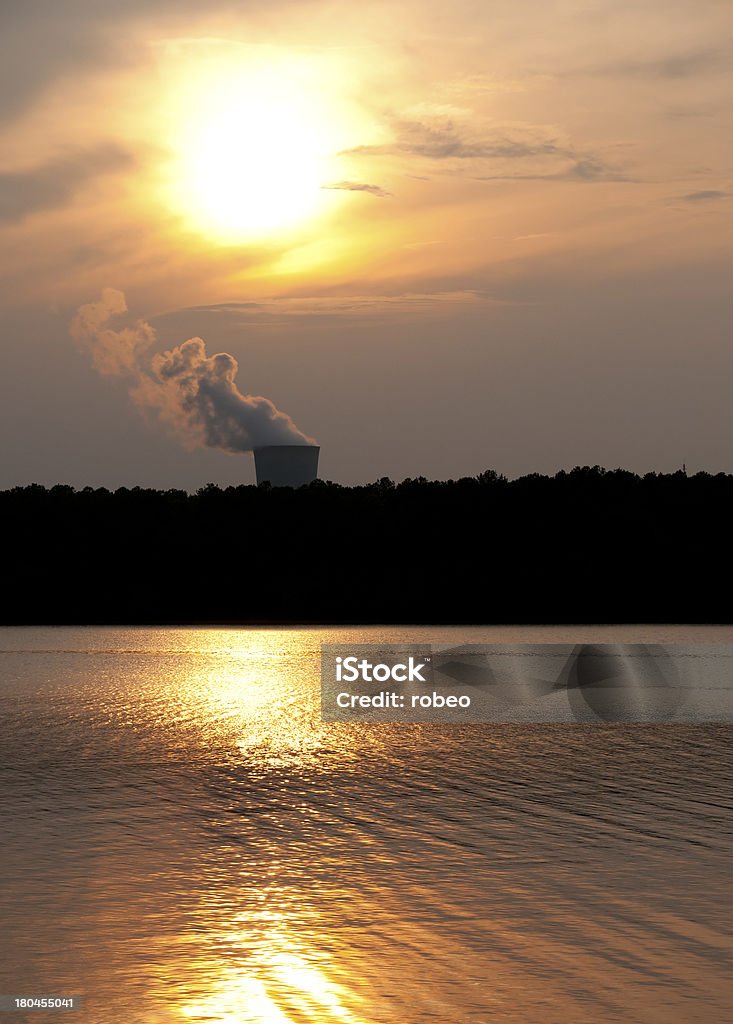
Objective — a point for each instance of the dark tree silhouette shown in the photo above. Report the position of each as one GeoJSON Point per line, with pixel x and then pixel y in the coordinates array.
{"type": "Point", "coordinates": [584, 546]}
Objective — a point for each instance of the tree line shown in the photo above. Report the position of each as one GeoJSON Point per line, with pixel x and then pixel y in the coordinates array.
{"type": "Point", "coordinates": [586, 546]}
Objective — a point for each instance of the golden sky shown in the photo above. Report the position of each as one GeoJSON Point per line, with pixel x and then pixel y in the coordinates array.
{"type": "Point", "coordinates": [492, 177]}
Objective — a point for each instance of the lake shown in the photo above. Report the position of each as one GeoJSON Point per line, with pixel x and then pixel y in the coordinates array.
{"type": "Point", "coordinates": [183, 839]}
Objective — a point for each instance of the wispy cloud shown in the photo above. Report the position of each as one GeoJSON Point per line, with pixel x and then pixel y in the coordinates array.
{"type": "Point", "coordinates": [675, 65]}
{"type": "Point", "coordinates": [445, 142]}
{"type": "Point", "coordinates": [515, 157]}
{"type": "Point", "coordinates": [56, 182]}
{"type": "Point", "coordinates": [286, 310]}
{"type": "Point", "coordinates": [588, 169]}
{"type": "Point", "coordinates": [705, 196]}
{"type": "Point", "coordinates": [357, 186]}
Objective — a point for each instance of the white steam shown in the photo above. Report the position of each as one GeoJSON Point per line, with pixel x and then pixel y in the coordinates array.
{"type": "Point", "coordinates": [193, 393]}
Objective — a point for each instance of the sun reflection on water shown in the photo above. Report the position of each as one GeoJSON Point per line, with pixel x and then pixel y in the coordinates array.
{"type": "Point", "coordinates": [256, 699]}
{"type": "Point", "coordinates": [256, 714]}
{"type": "Point", "coordinates": [282, 985]}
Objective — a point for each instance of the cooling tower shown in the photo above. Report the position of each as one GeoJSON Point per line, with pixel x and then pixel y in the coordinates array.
{"type": "Point", "coordinates": [287, 465]}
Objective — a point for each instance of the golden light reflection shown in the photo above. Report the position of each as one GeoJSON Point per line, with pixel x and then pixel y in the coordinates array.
{"type": "Point", "coordinates": [282, 985]}
{"type": "Point", "coordinates": [253, 698]}
{"type": "Point", "coordinates": [257, 693]}
{"type": "Point", "coordinates": [255, 142]}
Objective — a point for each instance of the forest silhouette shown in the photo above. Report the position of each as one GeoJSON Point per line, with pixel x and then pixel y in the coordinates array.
{"type": "Point", "coordinates": [585, 546]}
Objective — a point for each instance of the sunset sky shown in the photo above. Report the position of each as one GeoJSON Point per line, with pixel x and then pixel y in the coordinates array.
{"type": "Point", "coordinates": [441, 237]}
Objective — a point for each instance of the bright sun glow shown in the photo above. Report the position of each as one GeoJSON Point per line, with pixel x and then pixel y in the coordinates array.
{"type": "Point", "coordinates": [255, 147]}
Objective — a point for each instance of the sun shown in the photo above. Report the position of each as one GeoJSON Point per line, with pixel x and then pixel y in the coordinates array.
{"type": "Point", "coordinates": [255, 145]}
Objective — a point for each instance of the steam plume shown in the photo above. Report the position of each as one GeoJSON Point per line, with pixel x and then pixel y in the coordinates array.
{"type": "Point", "coordinates": [193, 393]}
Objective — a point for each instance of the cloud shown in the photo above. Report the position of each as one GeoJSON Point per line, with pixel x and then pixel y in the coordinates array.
{"type": "Point", "coordinates": [587, 169]}
{"type": "Point", "coordinates": [227, 321]}
{"type": "Point", "coordinates": [591, 169]}
{"type": "Point", "coordinates": [54, 183]}
{"type": "Point", "coordinates": [443, 142]}
{"type": "Point", "coordinates": [552, 160]}
{"type": "Point", "coordinates": [42, 41]}
{"type": "Point", "coordinates": [705, 196]}
{"type": "Point", "coordinates": [673, 66]}
{"type": "Point", "coordinates": [356, 186]}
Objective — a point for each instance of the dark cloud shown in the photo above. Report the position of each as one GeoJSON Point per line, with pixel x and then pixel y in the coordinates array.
{"type": "Point", "coordinates": [591, 169]}
{"type": "Point", "coordinates": [54, 183]}
{"type": "Point", "coordinates": [555, 162]}
{"type": "Point", "coordinates": [38, 41]}
{"type": "Point", "coordinates": [588, 170]}
{"type": "Point", "coordinates": [356, 186]}
{"type": "Point", "coordinates": [676, 65]}
{"type": "Point", "coordinates": [43, 41]}
{"type": "Point", "coordinates": [705, 196]}
{"type": "Point", "coordinates": [415, 138]}
{"type": "Point", "coordinates": [581, 169]}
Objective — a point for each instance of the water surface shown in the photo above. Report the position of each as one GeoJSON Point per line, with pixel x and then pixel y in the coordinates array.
{"type": "Point", "coordinates": [184, 840]}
